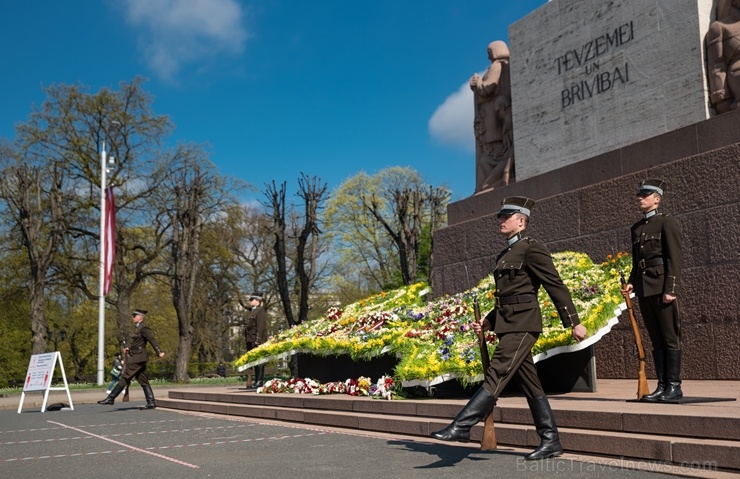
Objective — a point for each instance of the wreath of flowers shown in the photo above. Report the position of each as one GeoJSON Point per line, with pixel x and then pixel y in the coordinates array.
{"type": "Point", "coordinates": [385, 388]}
{"type": "Point", "coordinates": [435, 338]}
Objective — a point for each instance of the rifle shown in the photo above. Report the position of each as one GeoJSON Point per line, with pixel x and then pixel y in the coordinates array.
{"type": "Point", "coordinates": [642, 386]}
{"type": "Point", "coordinates": [488, 441]}
{"type": "Point", "coordinates": [123, 360]}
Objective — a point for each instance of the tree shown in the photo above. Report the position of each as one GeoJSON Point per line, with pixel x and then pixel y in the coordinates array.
{"type": "Point", "coordinates": [14, 313]}
{"type": "Point", "coordinates": [300, 234]}
{"type": "Point", "coordinates": [34, 196]}
{"type": "Point", "coordinates": [384, 223]}
{"type": "Point", "coordinates": [313, 193]}
{"type": "Point", "coordinates": [365, 253]}
{"type": "Point", "coordinates": [69, 130]}
{"type": "Point", "coordinates": [275, 202]}
{"type": "Point", "coordinates": [194, 193]}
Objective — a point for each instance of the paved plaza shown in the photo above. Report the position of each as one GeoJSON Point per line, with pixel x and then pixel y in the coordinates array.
{"type": "Point", "coordinates": [95, 441]}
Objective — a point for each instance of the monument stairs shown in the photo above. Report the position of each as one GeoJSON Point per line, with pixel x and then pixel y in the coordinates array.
{"type": "Point", "coordinates": [686, 439]}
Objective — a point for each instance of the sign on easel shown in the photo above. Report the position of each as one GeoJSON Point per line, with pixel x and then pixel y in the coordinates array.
{"type": "Point", "coordinates": [39, 377]}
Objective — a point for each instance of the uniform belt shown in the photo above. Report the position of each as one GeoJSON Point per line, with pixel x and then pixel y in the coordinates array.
{"type": "Point", "coordinates": [642, 264]}
{"type": "Point", "coordinates": [519, 298]}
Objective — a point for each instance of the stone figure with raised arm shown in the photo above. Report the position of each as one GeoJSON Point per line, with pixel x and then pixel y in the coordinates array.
{"type": "Point", "coordinates": [494, 148]}
{"type": "Point", "coordinates": [723, 57]}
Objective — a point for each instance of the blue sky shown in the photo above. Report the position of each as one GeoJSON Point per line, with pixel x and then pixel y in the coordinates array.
{"type": "Point", "coordinates": [275, 87]}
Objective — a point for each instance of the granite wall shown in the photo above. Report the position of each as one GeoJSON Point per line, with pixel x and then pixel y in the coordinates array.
{"type": "Point", "coordinates": [590, 76]}
{"type": "Point", "coordinates": [590, 206]}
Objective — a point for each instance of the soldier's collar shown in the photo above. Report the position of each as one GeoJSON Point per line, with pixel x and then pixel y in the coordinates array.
{"type": "Point", "coordinates": [650, 214]}
{"type": "Point", "coordinates": [513, 239]}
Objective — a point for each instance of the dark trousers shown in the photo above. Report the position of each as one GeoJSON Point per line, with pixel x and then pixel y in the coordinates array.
{"type": "Point", "coordinates": [512, 359]}
{"type": "Point", "coordinates": [259, 371]}
{"type": "Point", "coordinates": [661, 321]}
{"type": "Point", "coordinates": [135, 371]}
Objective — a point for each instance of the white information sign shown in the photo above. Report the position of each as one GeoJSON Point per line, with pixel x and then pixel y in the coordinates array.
{"type": "Point", "coordinates": [40, 375]}
{"type": "Point", "coordinates": [40, 372]}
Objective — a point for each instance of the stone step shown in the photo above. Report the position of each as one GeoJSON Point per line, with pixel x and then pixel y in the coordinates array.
{"type": "Point", "coordinates": [513, 427]}
{"type": "Point", "coordinates": [617, 417]}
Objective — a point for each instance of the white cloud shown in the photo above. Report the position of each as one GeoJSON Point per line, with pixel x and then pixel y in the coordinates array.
{"type": "Point", "coordinates": [452, 121]}
{"type": "Point", "coordinates": [172, 33]}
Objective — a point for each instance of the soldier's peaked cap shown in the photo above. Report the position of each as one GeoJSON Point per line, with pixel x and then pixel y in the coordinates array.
{"type": "Point", "coordinates": [139, 312]}
{"type": "Point", "coordinates": [516, 204]}
{"type": "Point", "coordinates": [652, 185]}
{"type": "Point", "coordinates": [257, 296]}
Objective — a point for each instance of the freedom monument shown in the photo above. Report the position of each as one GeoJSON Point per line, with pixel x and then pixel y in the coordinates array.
{"type": "Point", "coordinates": [602, 95]}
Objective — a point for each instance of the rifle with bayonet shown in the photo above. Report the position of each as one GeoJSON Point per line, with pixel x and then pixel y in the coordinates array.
{"type": "Point", "coordinates": [642, 386]}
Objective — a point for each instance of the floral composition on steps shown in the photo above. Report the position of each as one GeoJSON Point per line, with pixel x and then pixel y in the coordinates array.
{"type": "Point", "coordinates": [434, 339]}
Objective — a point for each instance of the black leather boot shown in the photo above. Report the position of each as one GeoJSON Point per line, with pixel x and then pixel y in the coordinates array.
{"type": "Point", "coordinates": [474, 411]}
{"type": "Point", "coordinates": [120, 386]}
{"type": "Point", "coordinates": [149, 395]}
{"type": "Point", "coordinates": [659, 361]}
{"type": "Point", "coordinates": [544, 421]}
{"type": "Point", "coordinates": [673, 376]}
{"type": "Point", "coordinates": [259, 375]}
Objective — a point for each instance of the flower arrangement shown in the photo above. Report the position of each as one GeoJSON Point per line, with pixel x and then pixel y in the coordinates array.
{"type": "Point", "coordinates": [385, 388]}
{"type": "Point", "coordinates": [435, 339]}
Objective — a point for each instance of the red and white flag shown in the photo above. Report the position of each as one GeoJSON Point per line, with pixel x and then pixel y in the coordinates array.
{"type": "Point", "coordinates": [109, 243]}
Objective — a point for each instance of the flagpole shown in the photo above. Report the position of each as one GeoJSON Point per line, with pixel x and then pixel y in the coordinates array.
{"type": "Point", "coordinates": [101, 287]}
{"type": "Point", "coordinates": [101, 290]}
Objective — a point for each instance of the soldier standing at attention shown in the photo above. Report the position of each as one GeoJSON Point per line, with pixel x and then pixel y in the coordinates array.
{"type": "Point", "coordinates": [136, 361]}
{"type": "Point", "coordinates": [655, 276]}
{"type": "Point", "coordinates": [256, 334]}
{"type": "Point", "coordinates": [521, 268]}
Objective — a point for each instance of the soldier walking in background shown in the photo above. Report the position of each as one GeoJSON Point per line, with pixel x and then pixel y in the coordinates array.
{"type": "Point", "coordinates": [521, 269]}
{"type": "Point", "coordinates": [137, 357]}
{"type": "Point", "coordinates": [655, 277]}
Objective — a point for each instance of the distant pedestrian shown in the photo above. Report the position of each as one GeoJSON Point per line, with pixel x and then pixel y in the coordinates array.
{"type": "Point", "coordinates": [136, 360]}
{"type": "Point", "coordinates": [221, 369]}
{"type": "Point", "coordinates": [115, 372]}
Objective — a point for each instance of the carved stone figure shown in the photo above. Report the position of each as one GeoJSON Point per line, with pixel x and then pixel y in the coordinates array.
{"type": "Point", "coordinates": [723, 57]}
{"type": "Point", "coordinates": [494, 145]}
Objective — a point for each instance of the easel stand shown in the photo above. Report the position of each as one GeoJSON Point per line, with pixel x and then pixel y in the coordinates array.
{"type": "Point", "coordinates": [40, 377]}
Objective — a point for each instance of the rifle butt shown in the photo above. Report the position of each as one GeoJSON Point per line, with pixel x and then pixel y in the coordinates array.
{"type": "Point", "coordinates": [642, 385]}
{"type": "Point", "coordinates": [488, 442]}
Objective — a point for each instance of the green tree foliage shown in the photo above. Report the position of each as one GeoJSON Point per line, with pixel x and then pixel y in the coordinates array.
{"type": "Point", "coordinates": [35, 199]}
{"type": "Point", "coordinates": [382, 227]}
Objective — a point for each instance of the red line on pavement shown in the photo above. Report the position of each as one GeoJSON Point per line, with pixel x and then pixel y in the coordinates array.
{"type": "Point", "coordinates": [161, 456]}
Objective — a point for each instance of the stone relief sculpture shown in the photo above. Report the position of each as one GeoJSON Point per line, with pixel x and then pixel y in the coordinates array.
{"type": "Point", "coordinates": [723, 57]}
{"type": "Point", "coordinates": [494, 145]}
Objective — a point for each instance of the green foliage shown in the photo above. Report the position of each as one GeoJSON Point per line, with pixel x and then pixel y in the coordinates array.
{"type": "Point", "coordinates": [365, 212]}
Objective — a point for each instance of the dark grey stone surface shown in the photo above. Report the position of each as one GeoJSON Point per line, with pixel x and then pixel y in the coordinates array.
{"type": "Point", "coordinates": [593, 214]}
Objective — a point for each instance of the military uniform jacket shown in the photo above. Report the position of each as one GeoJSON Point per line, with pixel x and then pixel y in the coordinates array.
{"type": "Point", "coordinates": [656, 256]}
{"type": "Point", "coordinates": [137, 352]}
{"type": "Point", "coordinates": [256, 330]}
{"type": "Point", "coordinates": [520, 271]}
